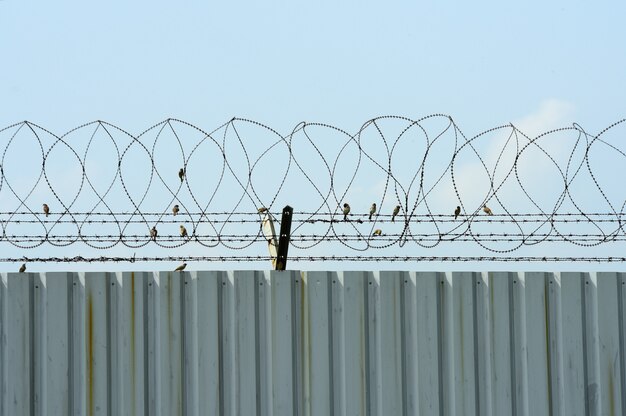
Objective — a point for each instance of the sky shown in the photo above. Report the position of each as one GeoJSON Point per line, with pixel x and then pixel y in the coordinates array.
{"type": "Point", "coordinates": [538, 65]}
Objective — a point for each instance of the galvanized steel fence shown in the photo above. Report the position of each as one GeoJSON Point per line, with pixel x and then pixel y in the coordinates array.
{"type": "Point", "coordinates": [312, 343]}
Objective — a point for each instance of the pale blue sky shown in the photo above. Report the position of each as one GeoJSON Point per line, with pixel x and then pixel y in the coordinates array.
{"type": "Point", "coordinates": [133, 64]}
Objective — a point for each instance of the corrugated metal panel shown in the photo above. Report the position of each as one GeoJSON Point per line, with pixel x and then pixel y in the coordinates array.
{"type": "Point", "coordinates": [312, 343]}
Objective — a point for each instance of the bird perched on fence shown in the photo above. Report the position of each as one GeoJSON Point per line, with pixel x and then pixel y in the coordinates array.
{"type": "Point", "coordinates": [487, 210]}
{"type": "Point", "coordinates": [183, 231]}
{"type": "Point", "coordinates": [457, 211]}
{"type": "Point", "coordinates": [181, 174]}
{"type": "Point", "coordinates": [346, 211]}
{"type": "Point", "coordinates": [153, 233]}
{"type": "Point", "coordinates": [396, 211]}
{"type": "Point", "coordinates": [262, 210]}
{"type": "Point", "coordinates": [372, 210]}
{"type": "Point", "coordinates": [181, 267]}
{"type": "Point", "coordinates": [378, 231]}
{"type": "Point", "coordinates": [175, 209]}
{"type": "Point", "coordinates": [46, 209]}
{"type": "Point", "coordinates": [23, 268]}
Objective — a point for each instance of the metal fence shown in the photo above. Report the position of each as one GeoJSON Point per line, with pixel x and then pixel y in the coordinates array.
{"type": "Point", "coordinates": [312, 343]}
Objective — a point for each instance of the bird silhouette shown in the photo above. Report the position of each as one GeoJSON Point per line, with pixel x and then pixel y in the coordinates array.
{"type": "Point", "coordinates": [378, 231]}
{"type": "Point", "coordinates": [23, 268]}
{"type": "Point", "coordinates": [457, 211]}
{"type": "Point", "coordinates": [181, 174]}
{"type": "Point", "coordinates": [153, 233]}
{"type": "Point", "coordinates": [372, 210]}
{"type": "Point", "coordinates": [396, 210]}
{"type": "Point", "coordinates": [346, 211]}
{"type": "Point", "coordinates": [181, 267]}
{"type": "Point", "coordinates": [46, 209]}
{"type": "Point", "coordinates": [183, 231]}
{"type": "Point", "coordinates": [175, 209]}
{"type": "Point", "coordinates": [487, 210]}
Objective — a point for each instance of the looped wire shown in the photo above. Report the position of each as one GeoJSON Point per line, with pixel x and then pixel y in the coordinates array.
{"type": "Point", "coordinates": [106, 187]}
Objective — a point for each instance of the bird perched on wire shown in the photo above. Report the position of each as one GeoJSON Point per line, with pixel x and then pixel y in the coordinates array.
{"type": "Point", "coordinates": [183, 231]}
{"type": "Point", "coordinates": [378, 231]}
{"type": "Point", "coordinates": [181, 267]}
{"type": "Point", "coordinates": [181, 174]}
{"type": "Point", "coordinates": [46, 209]}
{"type": "Point", "coordinates": [262, 210]}
{"type": "Point", "coordinates": [457, 211]}
{"type": "Point", "coordinates": [487, 210]}
{"type": "Point", "coordinates": [23, 268]}
{"type": "Point", "coordinates": [153, 233]}
{"type": "Point", "coordinates": [346, 211]}
{"type": "Point", "coordinates": [175, 209]}
{"type": "Point", "coordinates": [396, 211]}
{"type": "Point", "coordinates": [372, 210]}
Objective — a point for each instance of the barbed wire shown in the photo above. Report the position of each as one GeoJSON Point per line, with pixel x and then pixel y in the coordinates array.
{"type": "Point", "coordinates": [462, 259]}
{"type": "Point", "coordinates": [314, 237]}
{"type": "Point", "coordinates": [539, 188]}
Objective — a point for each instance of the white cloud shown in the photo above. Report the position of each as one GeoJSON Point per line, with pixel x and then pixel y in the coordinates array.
{"type": "Point", "coordinates": [470, 176]}
{"type": "Point", "coordinates": [552, 113]}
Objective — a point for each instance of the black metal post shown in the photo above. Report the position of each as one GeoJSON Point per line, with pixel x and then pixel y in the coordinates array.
{"type": "Point", "coordinates": [283, 238]}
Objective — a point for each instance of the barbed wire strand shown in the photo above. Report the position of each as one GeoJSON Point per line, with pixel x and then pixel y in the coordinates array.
{"type": "Point", "coordinates": [133, 259]}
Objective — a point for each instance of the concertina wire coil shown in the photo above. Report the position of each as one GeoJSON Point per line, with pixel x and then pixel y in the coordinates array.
{"type": "Point", "coordinates": [115, 197]}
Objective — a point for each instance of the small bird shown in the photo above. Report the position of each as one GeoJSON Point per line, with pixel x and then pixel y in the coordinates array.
{"type": "Point", "coordinates": [175, 209]}
{"type": "Point", "coordinates": [23, 268]}
{"type": "Point", "coordinates": [372, 210]}
{"type": "Point", "coordinates": [183, 231]}
{"type": "Point", "coordinates": [153, 233]}
{"type": "Point", "coordinates": [181, 174]}
{"type": "Point", "coordinates": [396, 210]}
{"type": "Point", "coordinates": [378, 231]}
{"type": "Point", "coordinates": [487, 210]}
{"type": "Point", "coordinates": [181, 267]}
{"type": "Point", "coordinates": [262, 210]}
{"type": "Point", "coordinates": [46, 209]}
{"type": "Point", "coordinates": [346, 211]}
{"type": "Point", "coordinates": [457, 211]}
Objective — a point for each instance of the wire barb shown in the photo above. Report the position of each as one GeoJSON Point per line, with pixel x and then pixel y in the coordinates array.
{"type": "Point", "coordinates": [462, 259]}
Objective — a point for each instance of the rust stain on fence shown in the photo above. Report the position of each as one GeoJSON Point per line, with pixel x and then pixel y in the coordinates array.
{"type": "Point", "coordinates": [133, 318]}
{"type": "Point", "coordinates": [90, 357]}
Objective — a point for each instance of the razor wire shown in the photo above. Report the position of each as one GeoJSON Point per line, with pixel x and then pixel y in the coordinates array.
{"type": "Point", "coordinates": [218, 179]}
